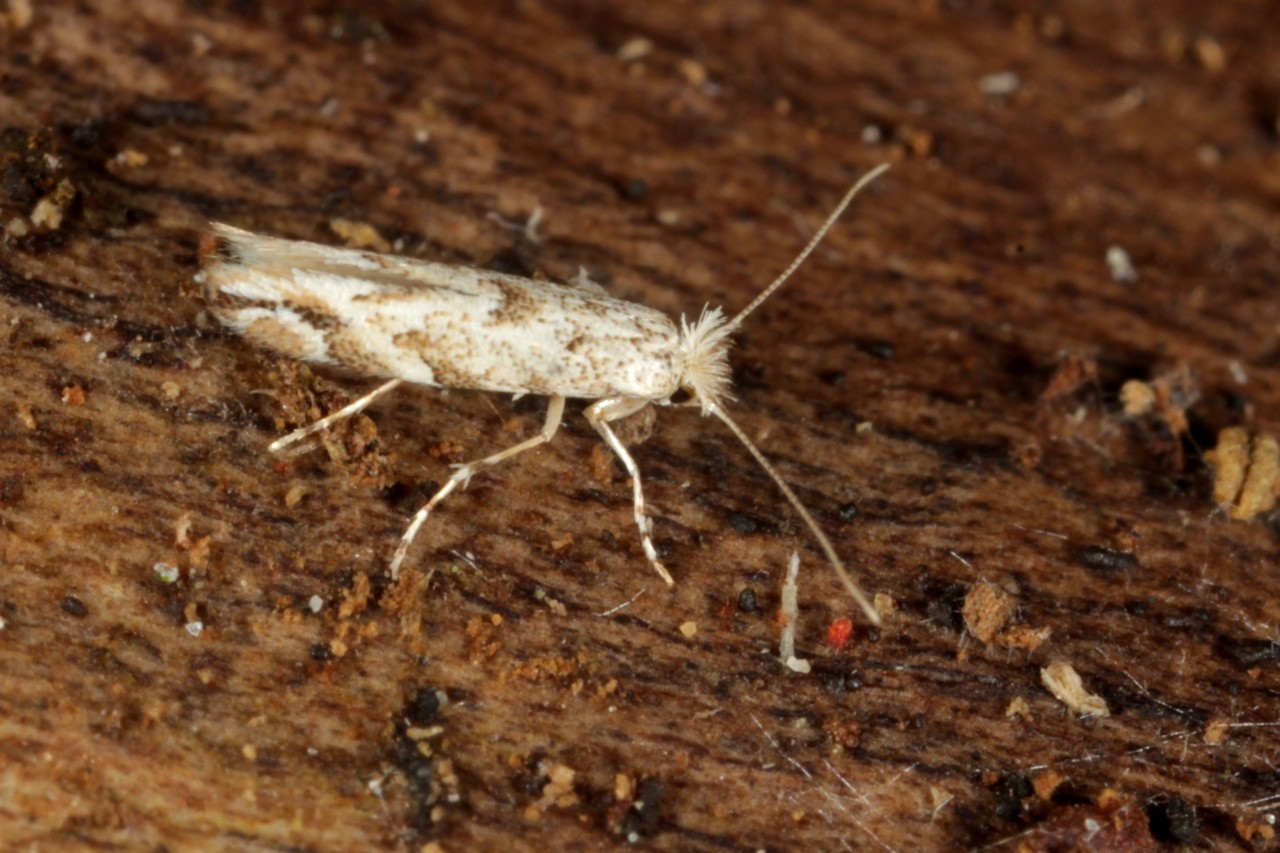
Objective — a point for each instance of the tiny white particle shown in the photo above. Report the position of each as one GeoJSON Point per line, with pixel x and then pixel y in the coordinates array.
{"type": "Point", "coordinates": [1237, 372]}
{"type": "Point", "coordinates": [872, 134]}
{"type": "Point", "coordinates": [315, 603]}
{"type": "Point", "coordinates": [1121, 265]}
{"type": "Point", "coordinates": [999, 84]}
{"type": "Point", "coordinates": [86, 337]}
{"type": "Point", "coordinates": [194, 628]}
{"type": "Point", "coordinates": [796, 664]}
{"type": "Point", "coordinates": [635, 49]}
{"type": "Point", "coordinates": [166, 573]}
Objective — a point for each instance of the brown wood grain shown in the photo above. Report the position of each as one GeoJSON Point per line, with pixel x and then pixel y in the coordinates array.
{"type": "Point", "coordinates": [964, 311]}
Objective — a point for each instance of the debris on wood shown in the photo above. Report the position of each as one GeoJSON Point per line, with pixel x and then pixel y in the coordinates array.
{"type": "Point", "coordinates": [1067, 687]}
{"type": "Point", "coordinates": [1245, 472]}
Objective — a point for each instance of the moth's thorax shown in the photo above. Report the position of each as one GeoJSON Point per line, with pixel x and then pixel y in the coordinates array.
{"type": "Point", "coordinates": [441, 325]}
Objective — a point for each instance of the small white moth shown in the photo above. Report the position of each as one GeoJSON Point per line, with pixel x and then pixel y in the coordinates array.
{"type": "Point", "coordinates": [457, 327]}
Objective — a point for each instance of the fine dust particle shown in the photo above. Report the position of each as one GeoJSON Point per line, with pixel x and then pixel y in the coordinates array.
{"type": "Point", "coordinates": [19, 15]}
{"type": "Point", "coordinates": [559, 788]}
{"type": "Point", "coordinates": [355, 598]}
{"type": "Point", "coordinates": [689, 629]}
{"type": "Point", "coordinates": [1018, 708]}
{"type": "Point", "coordinates": [694, 72]}
{"type": "Point", "coordinates": [49, 210]}
{"type": "Point", "coordinates": [1210, 54]}
{"type": "Point", "coordinates": [131, 158]}
{"type": "Point", "coordinates": [166, 573]}
{"type": "Point", "coordinates": [1065, 684]}
{"type": "Point", "coordinates": [1121, 265]}
{"type": "Point", "coordinates": [1046, 782]}
{"type": "Point", "coordinates": [988, 614]}
{"type": "Point", "coordinates": [987, 611]}
{"type": "Point", "coordinates": [635, 49]}
{"type": "Point", "coordinates": [359, 235]}
{"type": "Point", "coordinates": [294, 496]}
{"type": "Point", "coordinates": [886, 605]}
{"type": "Point", "coordinates": [1215, 731]}
{"type": "Point", "coordinates": [1137, 397]}
{"type": "Point", "coordinates": [999, 84]}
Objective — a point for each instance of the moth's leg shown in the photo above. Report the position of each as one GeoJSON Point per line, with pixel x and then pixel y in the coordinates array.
{"type": "Point", "coordinates": [462, 473]}
{"type": "Point", "coordinates": [599, 415]}
{"type": "Point", "coordinates": [331, 419]}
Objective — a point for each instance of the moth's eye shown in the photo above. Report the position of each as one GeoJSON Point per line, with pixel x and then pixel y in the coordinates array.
{"type": "Point", "coordinates": [681, 396]}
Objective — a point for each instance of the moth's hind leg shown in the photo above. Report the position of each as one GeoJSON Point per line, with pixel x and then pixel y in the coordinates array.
{"type": "Point", "coordinates": [462, 473]}
{"type": "Point", "coordinates": [329, 420]}
{"type": "Point", "coordinates": [600, 414]}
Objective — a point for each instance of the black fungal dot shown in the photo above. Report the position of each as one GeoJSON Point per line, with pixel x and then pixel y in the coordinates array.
{"type": "Point", "coordinates": [320, 652]}
{"type": "Point", "coordinates": [1173, 821]}
{"type": "Point", "coordinates": [636, 189]}
{"type": "Point", "coordinates": [74, 606]}
{"type": "Point", "coordinates": [424, 708]}
{"type": "Point", "coordinates": [882, 350]}
{"type": "Point", "coordinates": [642, 820]}
{"type": "Point", "coordinates": [1012, 789]}
{"type": "Point", "coordinates": [747, 601]}
{"type": "Point", "coordinates": [847, 512]}
{"type": "Point", "coordinates": [839, 683]}
{"type": "Point", "coordinates": [1249, 652]}
{"type": "Point", "coordinates": [833, 378]}
{"type": "Point", "coordinates": [1105, 559]}
{"type": "Point", "coordinates": [154, 113]}
{"type": "Point", "coordinates": [744, 523]}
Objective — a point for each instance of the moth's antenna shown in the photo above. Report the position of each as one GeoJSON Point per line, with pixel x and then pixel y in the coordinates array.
{"type": "Point", "coordinates": [813, 244]}
{"type": "Point", "coordinates": [841, 572]}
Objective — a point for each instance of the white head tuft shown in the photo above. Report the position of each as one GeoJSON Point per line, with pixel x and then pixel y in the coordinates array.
{"type": "Point", "coordinates": [704, 352]}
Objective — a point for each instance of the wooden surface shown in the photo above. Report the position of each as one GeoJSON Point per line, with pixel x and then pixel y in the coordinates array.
{"type": "Point", "coordinates": [952, 311]}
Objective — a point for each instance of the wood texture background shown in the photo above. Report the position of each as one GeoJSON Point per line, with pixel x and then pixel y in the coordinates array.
{"type": "Point", "coordinates": [132, 430]}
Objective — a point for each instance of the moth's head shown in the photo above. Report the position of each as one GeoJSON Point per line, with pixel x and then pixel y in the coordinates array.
{"type": "Point", "coordinates": [704, 354]}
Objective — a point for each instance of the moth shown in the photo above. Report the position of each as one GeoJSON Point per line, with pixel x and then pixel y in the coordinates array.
{"type": "Point", "coordinates": [448, 326]}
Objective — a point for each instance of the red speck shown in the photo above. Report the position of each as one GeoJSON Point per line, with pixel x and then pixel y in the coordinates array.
{"type": "Point", "coordinates": [281, 467]}
{"type": "Point", "coordinates": [838, 633]}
